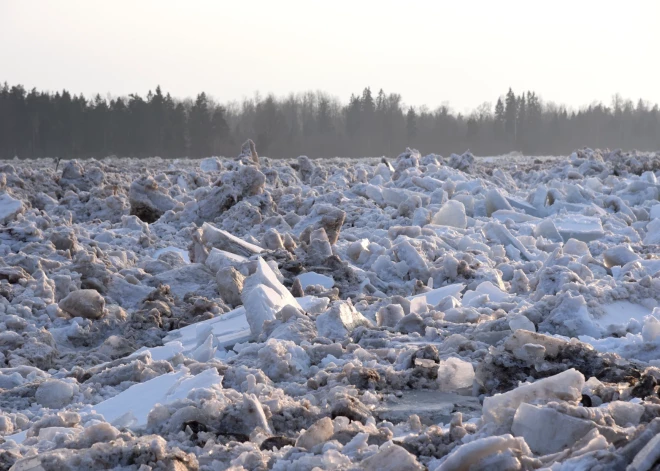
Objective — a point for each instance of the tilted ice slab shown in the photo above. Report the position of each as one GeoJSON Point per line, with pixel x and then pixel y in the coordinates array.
{"type": "Point", "coordinates": [131, 407]}
{"type": "Point", "coordinates": [264, 296]}
{"type": "Point", "coordinates": [228, 329]}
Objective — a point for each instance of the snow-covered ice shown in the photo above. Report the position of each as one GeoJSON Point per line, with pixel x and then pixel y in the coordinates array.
{"type": "Point", "coordinates": [401, 313]}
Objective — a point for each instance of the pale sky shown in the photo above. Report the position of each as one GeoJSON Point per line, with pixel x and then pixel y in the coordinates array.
{"type": "Point", "coordinates": [430, 51]}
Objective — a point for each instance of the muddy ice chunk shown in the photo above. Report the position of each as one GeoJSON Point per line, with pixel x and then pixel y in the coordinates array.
{"type": "Point", "coordinates": [306, 168]}
{"type": "Point", "coordinates": [290, 324]}
{"type": "Point", "coordinates": [546, 430]}
{"type": "Point", "coordinates": [339, 321]}
{"type": "Point", "coordinates": [319, 246]}
{"type": "Point", "coordinates": [232, 187]}
{"type": "Point", "coordinates": [452, 213]}
{"type": "Point", "coordinates": [319, 432]}
{"type": "Point", "coordinates": [391, 457]}
{"type": "Point", "coordinates": [193, 278]}
{"type": "Point", "coordinates": [148, 201]}
{"type": "Point", "coordinates": [454, 373]}
{"type": "Point", "coordinates": [249, 152]}
{"type": "Point", "coordinates": [388, 316]}
{"type": "Point", "coordinates": [619, 256]}
{"type": "Point", "coordinates": [411, 323]}
{"type": "Point", "coordinates": [230, 285]}
{"type": "Point", "coordinates": [323, 216]}
{"type": "Point", "coordinates": [272, 240]}
{"type": "Point", "coordinates": [264, 296]}
{"type": "Point", "coordinates": [55, 393]}
{"type": "Point", "coordinates": [565, 386]}
{"type": "Point", "coordinates": [416, 263]}
{"type": "Point", "coordinates": [85, 303]}
{"type": "Point", "coordinates": [463, 162]}
{"type": "Point", "coordinates": [10, 208]}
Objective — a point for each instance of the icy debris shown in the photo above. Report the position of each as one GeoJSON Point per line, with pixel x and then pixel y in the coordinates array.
{"type": "Point", "coordinates": [211, 164]}
{"type": "Point", "coordinates": [565, 386]}
{"type": "Point", "coordinates": [435, 296]}
{"type": "Point", "coordinates": [55, 393]}
{"type": "Point", "coordinates": [433, 285]}
{"type": "Point", "coordinates": [546, 430]}
{"type": "Point", "coordinates": [647, 457]}
{"type": "Point", "coordinates": [85, 303]}
{"type": "Point", "coordinates": [9, 208]}
{"type": "Point", "coordinates": [619, 256]}
{"type": "Point", "coordinates": [454, 374]}
{"type": "Point", "coordinates": [340, 321]}
{"type": "Point", "coordinates": [581, 228]}
{"type": "Point", "coordinates": [131, 407]}
{"type": "Point", "coordinates": [149, 201]}
{"type": "Point", "coordinates": [391, 457]}
{"type": "Point", "coordinates": [263, 296]}
{"type": "Point", "coordinates": [452, 213]}
{"type": "Point", "coordinates": [495, 202]}
{"type": "Point", "coordinates": [230, 285]}
{"type": "Point", "coordinates": [318, 433]}
{"type": "Point", "coordinates": [312, 278]}
{"type": "Point", "coordinates": [474, 455]}
{"type": "Point", "coordinates": [213, 237]}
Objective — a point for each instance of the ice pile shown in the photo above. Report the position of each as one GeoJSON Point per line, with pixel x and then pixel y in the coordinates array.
{"type": "Point", "coordinates": [405, 314]}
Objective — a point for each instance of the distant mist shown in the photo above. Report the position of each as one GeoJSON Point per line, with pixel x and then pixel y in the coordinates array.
{"type": "Point", "coordinates": [43, 124]}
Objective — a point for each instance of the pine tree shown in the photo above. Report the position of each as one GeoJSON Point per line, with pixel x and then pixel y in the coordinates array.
{"type": "Point", "coordinates": [411, 124]}
{"type": "Point", "coordinates": [510, 115]}
{"type": "Point", "coordinates": [199, 127]}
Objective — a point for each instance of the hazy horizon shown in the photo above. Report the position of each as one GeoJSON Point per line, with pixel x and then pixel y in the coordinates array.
{"type": "Point", "coordinates": [431, 54]}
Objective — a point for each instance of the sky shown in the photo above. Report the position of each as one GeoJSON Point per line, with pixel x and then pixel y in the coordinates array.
{"type": "Point", "coordinates": [432, 52]}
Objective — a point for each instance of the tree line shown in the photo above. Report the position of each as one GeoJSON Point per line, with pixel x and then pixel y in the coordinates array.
{"type": "Point", "coordinates": [43, 124]}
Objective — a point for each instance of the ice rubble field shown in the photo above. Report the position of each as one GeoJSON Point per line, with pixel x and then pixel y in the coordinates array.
{"type": "Point", "coordinates": [421, 313]}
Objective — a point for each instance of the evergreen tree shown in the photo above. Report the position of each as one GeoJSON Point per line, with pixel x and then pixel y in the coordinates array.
{"type": "Point", "coordinates": [200, 128]}
{"type": "Point", "coordinates": [510, 115]}
{"type": "Point", "coordinates": [411, 124]}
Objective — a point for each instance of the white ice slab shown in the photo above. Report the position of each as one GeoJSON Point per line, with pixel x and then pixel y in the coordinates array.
{"type": "Point", "coordinates": [584, 228]}
{"type": "Point", "coordinates": [166, 352]}
{"type": "Point", "coordinates": [621, 313]}
{"type": "Point", "coordinates": [140, 399]}
{"type": "Point", "coordinates": [434, 296]}
{"type": "Point", "coordinates": [229, 329]}
{"type": "Point", "coordinates": [312, 278]}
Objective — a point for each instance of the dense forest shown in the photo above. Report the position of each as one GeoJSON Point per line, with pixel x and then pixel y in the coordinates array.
{"type": "Point", "coordinates": [43, 124]}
